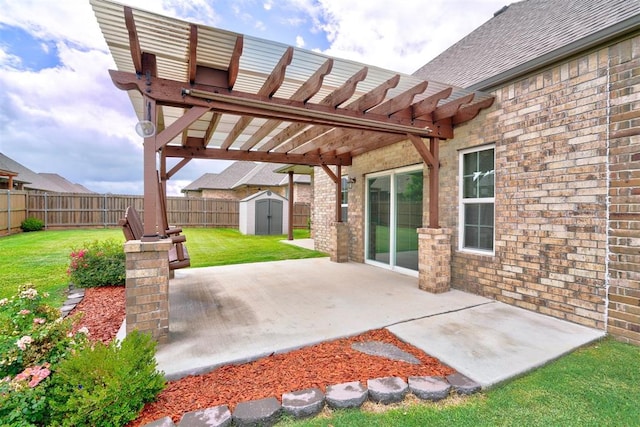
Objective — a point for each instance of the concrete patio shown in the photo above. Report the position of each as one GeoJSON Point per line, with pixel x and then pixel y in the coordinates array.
{"type": "Point", "coordinates": [237, 313]}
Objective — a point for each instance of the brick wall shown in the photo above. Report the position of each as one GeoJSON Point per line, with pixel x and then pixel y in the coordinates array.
{"type": "Point", "coordinates": [553, 141]}
{"type": "Point", "coordinates": [550, 137]}
{"type": "Point", "coordinates": [624, 192]}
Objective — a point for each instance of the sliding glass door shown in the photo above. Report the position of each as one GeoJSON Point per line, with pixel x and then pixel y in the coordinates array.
{"type": "Point", "coordinates": [394, 212]}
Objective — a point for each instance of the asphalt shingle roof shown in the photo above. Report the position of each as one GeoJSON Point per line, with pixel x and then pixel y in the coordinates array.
{"type": "Point", "coordinates": [40, 181]}
{"type": "Point", "coordinates": [530, 33]}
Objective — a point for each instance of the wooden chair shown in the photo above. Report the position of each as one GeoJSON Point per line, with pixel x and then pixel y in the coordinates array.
{"type": "Point", "coordinates": [133, 230]}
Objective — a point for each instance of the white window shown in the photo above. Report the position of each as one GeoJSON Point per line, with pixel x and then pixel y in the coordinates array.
{"type": "Point", "coordinates": [477, 199]}
{"type": "Point", "coordinates": [344, 202]}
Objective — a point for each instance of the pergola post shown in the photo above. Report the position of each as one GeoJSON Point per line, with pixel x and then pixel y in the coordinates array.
{"type": "Point", "coordinates": [339, 238]}
{"type": "Point", "coordinates": [434, 242]}
{"type": "Point", "coordinates": [150, 178]}
{"type": "Point", "coordinates": [290, 236]}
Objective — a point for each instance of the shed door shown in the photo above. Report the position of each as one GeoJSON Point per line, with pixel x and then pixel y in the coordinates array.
{"type": "Point", "coordinates": [268, 216]}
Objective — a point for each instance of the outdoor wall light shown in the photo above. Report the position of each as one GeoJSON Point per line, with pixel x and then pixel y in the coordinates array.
{"type": "Point", "coordinates": [351, 182]}
{"type": "Point", "coordinates": [146, 128]}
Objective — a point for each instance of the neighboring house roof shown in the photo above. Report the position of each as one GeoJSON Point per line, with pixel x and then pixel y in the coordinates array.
{"type": "Point", "coordinates": [39, 181]}
{"type": "Point", "coordinates": [239, 174]}
{"type": "Point", "coordinates": [68, 186]}
{"type": "Point", "coordinates": [528, 35]}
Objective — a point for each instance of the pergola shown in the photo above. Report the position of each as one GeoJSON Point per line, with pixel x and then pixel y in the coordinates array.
{"type": "Point", "coordinates": [215, 94]}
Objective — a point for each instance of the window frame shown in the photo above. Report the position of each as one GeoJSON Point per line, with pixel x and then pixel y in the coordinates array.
{"type": "Point", "coordinates": [463, 202]}
{"type": "Point", "coordinates": [344, 194]}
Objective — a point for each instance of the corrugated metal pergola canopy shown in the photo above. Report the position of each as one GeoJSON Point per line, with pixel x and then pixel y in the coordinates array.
{"type": "Point", "coordinates": [261, 100]}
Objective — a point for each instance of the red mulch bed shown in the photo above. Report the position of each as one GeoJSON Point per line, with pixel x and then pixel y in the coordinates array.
{"type": "Point", "coordinates": [320, 365]}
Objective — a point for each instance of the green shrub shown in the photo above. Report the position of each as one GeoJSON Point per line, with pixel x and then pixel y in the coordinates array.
{"type": "Point", "coordinates": [32, 224]}
{"type": "Point", "coordinates": [101, 263]}
{"type": "Point", "coordinates": [105, 385]}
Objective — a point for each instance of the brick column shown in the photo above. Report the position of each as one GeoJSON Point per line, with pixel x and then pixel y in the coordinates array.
{"type": "Point", "coordinates": [147, 287]}
{"type": "Point", "coordinates": [339, 243]}
{"type": "Point", "coordinates": [434, 259]}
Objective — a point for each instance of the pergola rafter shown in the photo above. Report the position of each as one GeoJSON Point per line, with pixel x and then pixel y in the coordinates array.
{"type": "Point", "coordinates": [214, 94]}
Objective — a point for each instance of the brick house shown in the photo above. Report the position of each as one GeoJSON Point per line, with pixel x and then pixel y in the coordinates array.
{"type": "Point", "coordinates": [540, 194]}
{"type": "Point", "coordinates": [242, 179]}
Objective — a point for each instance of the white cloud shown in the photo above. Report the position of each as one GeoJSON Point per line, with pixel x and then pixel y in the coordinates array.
{"type": "Point", "coordinates": [299, 41]}
{"type": "Point", "coordinates": [403, 37]}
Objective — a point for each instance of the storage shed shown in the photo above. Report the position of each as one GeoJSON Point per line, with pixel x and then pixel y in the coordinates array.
{"type": "Point", "coordinates": [264, 213]}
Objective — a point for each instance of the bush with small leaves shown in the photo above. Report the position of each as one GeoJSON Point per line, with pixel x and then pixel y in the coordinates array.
{"type": "Point", "coordinates": [100, 263]}
{"type": "Point", "coordinates": [32, 224]}
{"type": "Point", "coordinates": [105, 385]}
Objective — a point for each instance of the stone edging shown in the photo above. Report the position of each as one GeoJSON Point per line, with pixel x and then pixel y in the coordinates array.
{"type": "Point", "coordinates": [308, 403]}
{"type": "Point", "coordinates": [74, 296]}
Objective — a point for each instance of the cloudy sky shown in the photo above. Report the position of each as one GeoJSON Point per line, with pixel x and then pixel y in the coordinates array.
{"type": "Point", "coordinates": [60, 112]}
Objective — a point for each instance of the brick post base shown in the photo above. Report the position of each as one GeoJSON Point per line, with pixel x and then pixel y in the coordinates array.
{"type": "Point", "coordinates": [147, 287]}
{"type": "Point", "coordinates": [434, 254]}
{"type": "Point", "coordinates": [339, 250]}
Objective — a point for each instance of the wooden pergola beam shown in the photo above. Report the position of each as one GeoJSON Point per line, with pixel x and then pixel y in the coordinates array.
{"type": "Point", "coordinates": [451, 108]}
{"type": "Point", "coordinates": [134, 41]}
{"type": "Point", "coordinates": [428, 105]}
{"type": "Point", "coordinates": [468, 112]}
{"type": "Point", "coordinates": [193, 52]}
{"type": "Point", "coordinates": [257, 156]}
{"type": "Point", "coordinates": [400, 102]}
{"type": "Point", "coordinates": [234, 63]}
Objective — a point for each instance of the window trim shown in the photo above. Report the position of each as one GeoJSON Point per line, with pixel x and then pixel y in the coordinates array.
{"type": "Point", "coordinates": [482, 200]}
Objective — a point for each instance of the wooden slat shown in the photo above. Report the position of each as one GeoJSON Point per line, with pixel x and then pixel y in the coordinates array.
{"type": "Point", "coordinates": [134, 41]}
{"type": "Point", "coordinates": [269, 87]}
{"type": "Point", "coordinates": [334, 99]}
{"type": "Point", "coordinates": [468, 112]}
{"type": "Point", "coordinates": [193, 49]}
{"type": "Point", "coordinates": [400, 102]}
{"type": "Point", "coordinates": [427, 105]}
{"type": "Point", "coordinates": [305, 92]}
{"type": "Point", "coordinates": [234, 63]}
{"type": "Point", "coordinates": [451, 108]}
{"type": "Point", "coordinates": [375, 96]}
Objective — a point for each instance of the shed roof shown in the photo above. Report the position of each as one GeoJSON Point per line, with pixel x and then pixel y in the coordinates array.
{"type": "Point", "coordinates": [239, 174]}
{"type": "Point", "coordinates": [530, 34]}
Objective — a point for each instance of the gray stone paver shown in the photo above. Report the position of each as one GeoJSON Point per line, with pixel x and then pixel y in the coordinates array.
{"type": "Point", "coordinates": [462, 384]}
{"type": "Point", "coordinates": [218, 416]}
{"type": "Point", "coordinates": [346, 395]}
{"type": "Point", "coordinates": [304, 403]}
{"type": "Point", "coordinates": [386, 350]}
{"type": "Point", "coordinates": [263, 412]}
{"type": "Point", "coordinates": [387, 390]}
{"type": "Point", "coordinates": [429, 388]}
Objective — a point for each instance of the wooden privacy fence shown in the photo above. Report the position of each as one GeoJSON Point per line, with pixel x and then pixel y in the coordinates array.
{"type": "Point", "coordinates": [71, 210]}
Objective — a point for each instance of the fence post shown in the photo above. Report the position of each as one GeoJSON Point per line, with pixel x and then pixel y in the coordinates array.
{"type": "Point", "coordinates": [8, 211]}
{"type": "Point", "coordinates": [46, 213]}
{"type": "Point", "coordinates": [104, 210]}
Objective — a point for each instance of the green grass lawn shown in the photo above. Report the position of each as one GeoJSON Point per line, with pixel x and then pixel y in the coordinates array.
{"type": "Point", "coordinates": [42, 257]}
{"type": "Point", "coordinates": [595, 386]}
